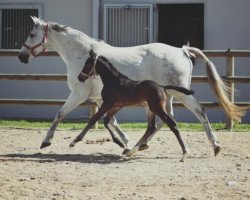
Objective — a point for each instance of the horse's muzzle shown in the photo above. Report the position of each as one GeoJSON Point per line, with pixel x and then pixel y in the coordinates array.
{"type": "Point", "coordinates": [23, 57]}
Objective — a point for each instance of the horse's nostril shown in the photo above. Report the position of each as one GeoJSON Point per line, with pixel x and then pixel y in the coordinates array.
{"type": "Point", "coordinates": [24, 58]}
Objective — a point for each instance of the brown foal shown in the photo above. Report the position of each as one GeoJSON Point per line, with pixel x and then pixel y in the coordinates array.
{"type": "Point", "coordinates": [120, 91]}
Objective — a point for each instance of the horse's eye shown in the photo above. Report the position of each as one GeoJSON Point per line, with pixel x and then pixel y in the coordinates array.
{"type": "Point", "coordinates": [32, 35]}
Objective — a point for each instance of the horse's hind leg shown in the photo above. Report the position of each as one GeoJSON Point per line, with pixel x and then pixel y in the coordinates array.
{"type": "Point", "coordinates": [192, 104]}
{"type": "Point", "coordinates": [72, 102]}
{"type": "Point", "coordinates": [142, 143]}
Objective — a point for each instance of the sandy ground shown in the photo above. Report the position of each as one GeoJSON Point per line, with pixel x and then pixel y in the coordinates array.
{"type": "Point", "coordinates": [97, 170]}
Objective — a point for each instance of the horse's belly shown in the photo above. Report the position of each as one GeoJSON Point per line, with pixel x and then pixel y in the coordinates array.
{"type": "Point", "coordinates": [130, 102]}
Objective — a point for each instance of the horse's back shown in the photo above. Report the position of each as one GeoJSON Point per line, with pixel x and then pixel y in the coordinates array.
{"type": "Point", "coordinates": [156, 61]}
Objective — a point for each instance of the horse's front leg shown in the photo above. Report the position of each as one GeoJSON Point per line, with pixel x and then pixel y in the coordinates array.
{"type": "Point", "coordinates": [107, 119]}
{"type": "Point", "coordinates": [71, 103]}
{"type": "Point", "coordinates": [124, 137]}
{"type": "Point", "coordinates": [104, 108]}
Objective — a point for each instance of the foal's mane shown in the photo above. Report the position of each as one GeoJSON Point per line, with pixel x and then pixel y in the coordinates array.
{"type": "Point", "coordinates": [111, 67]}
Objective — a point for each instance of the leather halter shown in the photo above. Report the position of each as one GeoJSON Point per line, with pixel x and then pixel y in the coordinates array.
{"type": "Point", "coordinates": [92, 70]}
{"type": "Point", "coordinates": [44, 40]}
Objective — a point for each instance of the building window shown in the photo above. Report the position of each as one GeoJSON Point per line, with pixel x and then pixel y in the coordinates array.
{"type": "Point", "coordinates": [16, 26]}
{"type": "Point", "coordinates": [181, 23]}
{"type": "Point", "coordinates": [127, 25]}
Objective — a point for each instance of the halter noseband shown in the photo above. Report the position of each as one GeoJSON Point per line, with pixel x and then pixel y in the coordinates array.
{"type": "Point", "coordinates": [44, 40]}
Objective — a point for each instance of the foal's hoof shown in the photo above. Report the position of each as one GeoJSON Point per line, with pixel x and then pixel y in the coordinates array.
{"type": "Point", "coordinates": [72, 144]}
{"type": "Point", "coordinates": [45, 144]}
{"type": "Point", "coordinates": [117, 141]}
{"type": "Point", "coordinates": [143, 147]}
{"type": "Point", "coordinates": [183, 158]}
{"type": "Point", "coordinates": [217, 150]}
{"type": "Point", "coordinates": [125, 151]}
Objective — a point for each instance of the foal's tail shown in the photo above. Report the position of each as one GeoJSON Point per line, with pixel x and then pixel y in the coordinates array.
{"type": "Point", "coordinates": [219, 87]}
{"type": "Point", "coordinates": [179, 89]}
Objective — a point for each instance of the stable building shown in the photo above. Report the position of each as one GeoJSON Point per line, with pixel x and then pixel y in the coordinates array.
{"type": "Point", "coordinates": [208, 25]}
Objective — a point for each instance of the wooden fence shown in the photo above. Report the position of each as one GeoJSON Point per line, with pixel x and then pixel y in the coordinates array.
{"type": "Point", "coordinates": [230, 78]}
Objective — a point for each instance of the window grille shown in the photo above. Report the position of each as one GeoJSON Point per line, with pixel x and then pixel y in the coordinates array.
{"type": "Point", "coordinates": [16, 25]}
{"type": "Point", "coordinates": [127, 25]}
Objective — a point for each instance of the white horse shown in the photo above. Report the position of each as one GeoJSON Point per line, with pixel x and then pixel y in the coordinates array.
{"type": "Point", "coordinates": [160, 62]}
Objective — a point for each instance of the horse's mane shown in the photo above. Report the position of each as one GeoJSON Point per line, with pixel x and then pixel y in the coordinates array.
{"type": "Point", "coordinates": [58, 27]}
{"type": "Point", "coordinates": [63, 28]}
{"type": "Point", "coordinates": [112, 68]}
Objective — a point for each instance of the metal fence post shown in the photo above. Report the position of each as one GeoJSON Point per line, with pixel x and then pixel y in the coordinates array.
{"type": "Point", "coordinates": [230, 72]}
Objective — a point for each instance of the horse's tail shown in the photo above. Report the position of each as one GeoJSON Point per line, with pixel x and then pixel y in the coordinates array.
{"type": "Point", "coordinates": [179, 89]}
{"type": "Point", "coordinates": [219, 87]}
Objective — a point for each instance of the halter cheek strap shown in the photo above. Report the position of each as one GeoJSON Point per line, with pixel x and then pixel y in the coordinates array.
{"type": "Point", "coordinates": [44, 40]}
{"type": "Point", "coordinates": [93, 69]}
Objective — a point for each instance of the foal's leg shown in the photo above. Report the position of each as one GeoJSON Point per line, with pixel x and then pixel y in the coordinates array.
{"type": "Point", "coordinates": [107, 119]}
{"type": "Point", "coordinates": [160, 123]}
{"type": "Point", "coordinates": [192, 104]}
{"type": "Point", "coordinates": [113, 122]}
{"type": "Point", "coordinates": [104, 108]}
{"type": "Point", "coordinates": [173, 127]}
{"type": "Point", "coordinates": [140, 145]}
{"type": "Point", "coordinates": [71, 103]}
{"type": "Point", "coordinates": [151, 119]}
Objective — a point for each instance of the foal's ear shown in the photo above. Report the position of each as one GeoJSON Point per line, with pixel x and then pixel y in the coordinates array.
{"type": "Point", "coordinates": [92, 54]}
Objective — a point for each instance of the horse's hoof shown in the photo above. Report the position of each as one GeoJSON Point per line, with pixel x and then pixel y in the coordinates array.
{"type": "Point", "coordinates": [125, 151]}
{"type": "Point", "coordinates": [45, 144]}
{"type": "Point", "coordinates": [131, 152]}
{"type": "Point", "coordinates": [217, 150]}
{"type": "Point", "coordinates": [143, 147]}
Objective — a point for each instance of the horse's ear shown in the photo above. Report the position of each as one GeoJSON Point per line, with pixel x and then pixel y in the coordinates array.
{"type": "Point", "coordinates": [36, 20]}
{"type": "Point", "coordinates": [92, 54]}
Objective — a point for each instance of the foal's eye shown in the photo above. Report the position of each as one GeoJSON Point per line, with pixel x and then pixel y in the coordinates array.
{"type": "Point", "coordinates": [32, 35]}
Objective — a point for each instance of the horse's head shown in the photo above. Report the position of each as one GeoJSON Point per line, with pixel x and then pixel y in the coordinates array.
{"type": "Point", "coordinates": [35, 42]}
{"type": "Point", "coordinates": [89, 67]}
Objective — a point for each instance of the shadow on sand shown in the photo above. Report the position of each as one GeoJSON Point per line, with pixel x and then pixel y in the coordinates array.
{"type": "Point", "coordinates": [98, 158]}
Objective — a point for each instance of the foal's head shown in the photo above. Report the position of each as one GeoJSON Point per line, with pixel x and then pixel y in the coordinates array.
{"type": "Point", "coordinates": [89, 67]}
{"type": "Point", "coordinates": [98, 64]}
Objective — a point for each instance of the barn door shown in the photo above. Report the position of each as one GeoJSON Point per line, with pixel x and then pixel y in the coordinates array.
{"type": "Point", "coordinates": [181, 23]}
{"type": "Point", "coordinates": [127, 25]}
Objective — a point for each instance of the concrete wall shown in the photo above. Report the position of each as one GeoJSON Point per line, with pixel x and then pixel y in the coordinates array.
{"type": "Point", "coordinates": [226, 26]}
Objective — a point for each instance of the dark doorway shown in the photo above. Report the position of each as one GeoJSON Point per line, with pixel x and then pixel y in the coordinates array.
{"type": "Point", "coordinates": [181, 23]}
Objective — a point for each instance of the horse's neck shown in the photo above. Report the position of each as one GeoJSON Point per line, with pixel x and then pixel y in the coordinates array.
{"type": "Point", "coordinates": [69, 45]}
{"type": "Point", "coordinates": [106, 74]}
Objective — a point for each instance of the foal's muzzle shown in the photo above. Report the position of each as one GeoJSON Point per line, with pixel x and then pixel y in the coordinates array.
{"type": "Point", "coordinates": [82, 77]}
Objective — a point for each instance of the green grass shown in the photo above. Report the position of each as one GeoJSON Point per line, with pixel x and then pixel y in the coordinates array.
{"type": "Point", "coordinates": [71, 125]}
